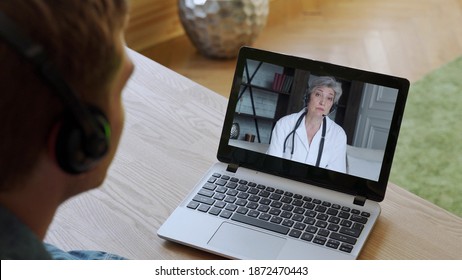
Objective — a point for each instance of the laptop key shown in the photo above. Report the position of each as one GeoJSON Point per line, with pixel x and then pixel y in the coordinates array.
{"type": "Point", "coordinates": [221, 182]}
{"type": "Point", "coordinates": [220, 204]}
{"type": "Point", "coordinates": [265, 201]}
{"type": "Point", "coordinates": [276, 220]}
{"type": "Point", "coordinates": [241, 202]}
{"type": "Point", "coordinates": [230, 199]}
{"type": "Point", "coordinates": [333, 227]}
{"type": "Point", "coordinates": [332, 244]}
{"type": "Point", "coordinates": [334, 220]}
{"type": "Point", "coordinates": [295, 233]}
{"type": "Point", "coordinates": [365, 214]}
{"type": "Point", "coordinates": [265, 216]}
{"type": "Point", "coordinates": [359, 219]}
{"type": "Point", "coordinates": [206, 193]}
{"type": "Point", "coordinates": [252, 205]}
{"type": "Point", "coordinates": [320, 240]}
{"type": "Point", "coordinates": [358, 226]}
{"type": "Point", "coordinates": [320, 209]}
{"type": "Point", "coordinates": [344, 215]}
{"type": "Point", "coordinates": [350, 231]}
{"type": "Point", "coordinates": [300, 226]}
{"type": "Point", "coordinates": [297, 202]}
{"type": "Point", "coordinates": [260, 223]}
{"type": "Point", "coordinates": [346, 223]}
{"type": "Point", "coordinates": [215, 211]}
{"type": "Point", "coordinates": [307, 236]}
{"type": "Point", "coordinates": [231, 185]}
{"type": "Point", "coordinates": [311, 229]}
{"type": "Point", "coordinates": [253, 190]}
{"type": "Point", "coordinates": [219, 196]}
{"type": "Point", "coordinates": [242, 210]}
{"type": "Point", "coordinates": [288, 223]}
{"type": "Point", "coordinates": [323, 232]}
{"type": "Point", "coordinates": [254, 198]}
{"type": "Point", "coordinates": [264, 194]}
{"type": "Point", "coordinates": [275, 211]}
{"type": "Point", "coordinates": [253, 213]}
{"type": "Point", "coordinates": [346, 248]}
{"type": "Point", "coordinates": [309, 221]}
{"type": "Point", "coordinates": [203, 199]}
{"type": "Point", "coordinates": [263, 208]}
{"type": "Point", "coordinates": [343, 238]}
{"type": "Point", "coordinates": [242, 188]}
{"type": "Point", "coordinates": [275, 196]}
{"type": "Point", "coordinates": [203, 208]}
{"type": "Point", "coordinates": [193, 204]}
{"type": "Point", "coordinates": [332, 212]}
{"type": "Point", "coordinates": [210, 187]}
{"type": "Point", "coordinates": [231, 207]}
{"type": "Point", "coordinates": [309, 205]}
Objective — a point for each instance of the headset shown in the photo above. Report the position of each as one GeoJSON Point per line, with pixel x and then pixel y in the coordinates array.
{"type": "Point", "coordinates": [83, 137]}
{"type": "Point", "coordinates": [299, 121]}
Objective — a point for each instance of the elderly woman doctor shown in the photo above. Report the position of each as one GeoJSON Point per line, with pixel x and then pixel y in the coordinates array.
{"type": "Point", "coordinates": [309, 136]}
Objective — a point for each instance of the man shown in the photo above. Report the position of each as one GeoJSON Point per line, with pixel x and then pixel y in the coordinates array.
{"type": "Point", "coordinates": [50, 148]}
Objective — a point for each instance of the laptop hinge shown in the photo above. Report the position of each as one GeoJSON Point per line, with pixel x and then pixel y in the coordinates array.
{"type": "Point", "coordinates": [359, 200]}
{"type": "Point", "coordinates": [232, 168]}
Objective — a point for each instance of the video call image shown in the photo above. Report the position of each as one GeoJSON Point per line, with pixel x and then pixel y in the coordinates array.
{"type": "Point", "coordinates": [319, 120]}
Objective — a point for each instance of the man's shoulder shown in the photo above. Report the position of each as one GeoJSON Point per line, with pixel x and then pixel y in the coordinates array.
{"type": "Point", "coordinates": [17, 241]}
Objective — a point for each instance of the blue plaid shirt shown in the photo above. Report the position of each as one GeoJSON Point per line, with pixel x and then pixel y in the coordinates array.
{"type": "Point", "coordinates": [59, 254]}
{"type": "Point", "coordinates": [18, 242]}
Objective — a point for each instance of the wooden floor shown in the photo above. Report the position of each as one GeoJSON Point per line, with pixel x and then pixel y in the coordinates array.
{"type": "Point", "coordinates": [404, 38]}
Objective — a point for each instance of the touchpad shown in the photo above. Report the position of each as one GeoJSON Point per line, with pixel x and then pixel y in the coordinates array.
{"type": "Point", "coordinates": [243, 242]}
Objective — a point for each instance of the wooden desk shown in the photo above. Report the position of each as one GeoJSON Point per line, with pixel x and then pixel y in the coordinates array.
{"type": "Point", "coordinates": [170, 139]}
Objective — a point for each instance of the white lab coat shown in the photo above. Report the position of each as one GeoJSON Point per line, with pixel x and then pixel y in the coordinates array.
{"type": "Point", "coordinates": [334, 151]}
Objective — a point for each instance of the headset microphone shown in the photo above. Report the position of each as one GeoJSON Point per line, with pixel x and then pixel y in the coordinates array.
{"type": "Point", "coordinates": [83, 138]}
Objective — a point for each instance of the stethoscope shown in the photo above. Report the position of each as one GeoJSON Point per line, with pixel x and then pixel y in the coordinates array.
{"type": "Point", "coordinates": [321, 143]}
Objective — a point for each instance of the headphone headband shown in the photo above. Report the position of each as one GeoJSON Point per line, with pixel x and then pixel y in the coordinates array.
{"type": "Point", "coordinates": [35, 54]}
{"type": "Point", "coordinates": [95, 137]}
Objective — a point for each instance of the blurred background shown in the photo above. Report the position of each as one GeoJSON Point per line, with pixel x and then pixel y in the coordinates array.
{"type": "Point", "coordinates": [404, 38]}
{"type": "Point", "coordinates": [415, 39]}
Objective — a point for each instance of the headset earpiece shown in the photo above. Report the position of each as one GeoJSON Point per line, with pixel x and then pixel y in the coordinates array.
{"type": "Point", "coordinates": [77, 152]}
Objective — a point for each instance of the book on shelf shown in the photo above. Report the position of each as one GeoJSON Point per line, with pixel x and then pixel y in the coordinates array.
{"type": "Point", "coordinates": [282, 82]}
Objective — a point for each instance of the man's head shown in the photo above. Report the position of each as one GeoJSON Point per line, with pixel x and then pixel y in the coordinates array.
{"type": "Point", "coordinates": [83, 39]}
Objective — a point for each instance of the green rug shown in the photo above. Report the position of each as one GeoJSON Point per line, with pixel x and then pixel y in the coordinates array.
{"type": "Point", "coordinates": [428, 160]}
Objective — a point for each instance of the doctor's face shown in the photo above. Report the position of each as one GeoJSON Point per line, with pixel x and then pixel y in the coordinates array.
{"type": "Point", "coordinates": [321, 101]}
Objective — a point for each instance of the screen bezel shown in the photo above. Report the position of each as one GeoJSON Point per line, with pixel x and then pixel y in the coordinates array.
{"type": "Point", "coordinates": [374, 190]}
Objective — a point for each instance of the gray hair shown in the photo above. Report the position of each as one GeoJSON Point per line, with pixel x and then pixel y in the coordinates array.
{"type": "Point", "coordinates": [326, 81]}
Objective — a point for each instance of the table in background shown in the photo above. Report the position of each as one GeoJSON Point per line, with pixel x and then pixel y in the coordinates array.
{"type": "Point", "coordinates": [170, 139]}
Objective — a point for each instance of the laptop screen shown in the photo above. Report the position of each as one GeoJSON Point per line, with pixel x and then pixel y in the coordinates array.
{"type": "Point", "coordinates": [325, 124]}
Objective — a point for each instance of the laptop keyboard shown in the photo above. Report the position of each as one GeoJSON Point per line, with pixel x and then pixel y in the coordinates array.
{"type": "Point", "coordinates": [294, 215]}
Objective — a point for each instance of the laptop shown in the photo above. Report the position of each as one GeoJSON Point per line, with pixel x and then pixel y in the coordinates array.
{"type": "Point", "coordinates": [255, 204]}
